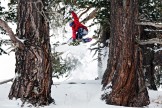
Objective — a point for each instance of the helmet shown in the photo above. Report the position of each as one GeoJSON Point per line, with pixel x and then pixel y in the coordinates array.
{"type": "Point", "coordinates": [71, 23]}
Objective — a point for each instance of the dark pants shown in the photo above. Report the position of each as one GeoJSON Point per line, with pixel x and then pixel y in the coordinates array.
{"type": "Point", "coordinates": [80, 33]}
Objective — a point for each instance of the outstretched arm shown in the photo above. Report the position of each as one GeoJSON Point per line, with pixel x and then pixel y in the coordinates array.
{"type": "Point", "coordinates": [75, 16]}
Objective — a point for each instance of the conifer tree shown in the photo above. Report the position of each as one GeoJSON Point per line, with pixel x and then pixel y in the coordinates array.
{"type": "Point", "coordinates": [124, 73]}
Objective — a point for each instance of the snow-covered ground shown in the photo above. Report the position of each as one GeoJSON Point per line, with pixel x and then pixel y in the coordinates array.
{"type": "Point", "coordinates": [79, 90]}
{"type": "Point", "coordinates": [87, 70]}
{"type": "Point", "coordinates": [82, 94]}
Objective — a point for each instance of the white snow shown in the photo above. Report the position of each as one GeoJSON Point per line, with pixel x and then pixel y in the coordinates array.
{"type": "Point", "coordinates": [88, 67]}
{"type": "Point", "coordinates": [158, 49]}
{"type": "Point", "coordinates": [83, 94]}
{"type": "Point", "coordinates": [7, 63]}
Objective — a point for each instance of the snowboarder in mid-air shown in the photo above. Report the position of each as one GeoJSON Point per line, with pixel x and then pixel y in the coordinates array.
{"type": "Point", "coordinates": [78, 30]}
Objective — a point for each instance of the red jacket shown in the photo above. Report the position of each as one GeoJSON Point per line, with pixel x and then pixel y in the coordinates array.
{"type": "Point", "coordinates": [76, 25]}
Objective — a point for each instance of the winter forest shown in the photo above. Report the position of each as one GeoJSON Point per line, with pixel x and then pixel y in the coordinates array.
{"type": "Point", "coordinates": [42, 65]}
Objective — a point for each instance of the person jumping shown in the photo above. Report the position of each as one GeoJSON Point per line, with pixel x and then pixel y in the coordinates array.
{"type": "Point", "coordinates": [78, 29]}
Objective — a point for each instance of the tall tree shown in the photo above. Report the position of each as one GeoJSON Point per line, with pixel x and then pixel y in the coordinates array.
{"type": "Point", "coordinates": [33, 79]}
{"type": "Point", "coordinates": [124, 69]}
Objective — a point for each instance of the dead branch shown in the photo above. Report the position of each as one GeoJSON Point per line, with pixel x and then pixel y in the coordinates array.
{"type": "Point", "coordinates": [6, 81]}
{"type": "Point", "coordinates": [70, 2]}
{"type": "Point", "coordinates": [157, 25]}
{"type": "Point", "coordinates": [93, 44]}
{"type": "Point", "coordinates": [87, 9]}
{"type": "Point", "coordinates": [12, 36]}
{"type": "Point", "coordinates": [150, 41]}
{"type": "Point", "coordinates": [90, 16]}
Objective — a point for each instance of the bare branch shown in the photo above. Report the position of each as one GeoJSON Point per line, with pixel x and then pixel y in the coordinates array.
{"type": "Point", "coordinates": [95, 43]}
{"type": "Point", "coordinates": [6, 81]}
{"type": "Point", "coordinates": [12, 36]}
{"type": "Point", "coordinates": [157, 25]}
{"type": "Point", "coordinates": [150, 41]}
{"type": "Point", "coordinates": [90, 16]}
{"type": "Point", "coordinates": [5, 26]}
{"type": "Point", "coordinates": [87, 9]}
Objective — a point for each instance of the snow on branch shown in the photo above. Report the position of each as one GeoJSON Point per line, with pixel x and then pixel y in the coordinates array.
{"type": "Point", "coordinates": [6, 81]}
{"type": "Point", "coordinates": [12, 36]}
{"type": "Point", "coordinates": [87, 9]}
{"type": "Point", "coordinates": [150, 41]}
{"type": "Point", "coordinates": [90, 16]}
{"type": "Point", "coordinates": [157, 25]}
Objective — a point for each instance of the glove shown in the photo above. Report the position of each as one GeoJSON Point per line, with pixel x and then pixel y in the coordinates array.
{"type": "Point", "coordinates": [75, 43]}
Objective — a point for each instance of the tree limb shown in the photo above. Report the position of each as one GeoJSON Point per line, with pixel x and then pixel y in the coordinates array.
{"type": "Point", "coordinates": [150, 41]}
{"type": "Point", "coordinates": [70, 2]}
{"type": "Point", "coordinates": [87, 9]}
{"type": "Point", "coordinates": [12, 36]}
{"type": "Point", "coordinates": [157, 25]}
{"type": "Point", "coordinates": [90, 16]}
{"type": "Point", "coordinates": [6, 81]}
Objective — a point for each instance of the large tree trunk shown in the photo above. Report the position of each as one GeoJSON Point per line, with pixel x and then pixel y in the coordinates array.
{"type": "Point", "coordinates": [33, 64]}
{"type": "Point", "coordinates": [124, 70]}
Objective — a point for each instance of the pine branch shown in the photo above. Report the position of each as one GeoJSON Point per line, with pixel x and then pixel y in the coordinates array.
{"type": "Point", "coordinates": [12, 36]}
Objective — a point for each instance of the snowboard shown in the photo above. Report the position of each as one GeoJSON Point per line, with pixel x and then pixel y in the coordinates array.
{"type": "Point", "coordinates": [84, 40]}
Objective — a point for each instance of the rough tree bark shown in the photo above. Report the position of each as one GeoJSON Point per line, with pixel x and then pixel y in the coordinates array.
{"type": "Point", "coordinates": [33, 71]}
{"type": "Point", "coordinates": [124, 69]}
